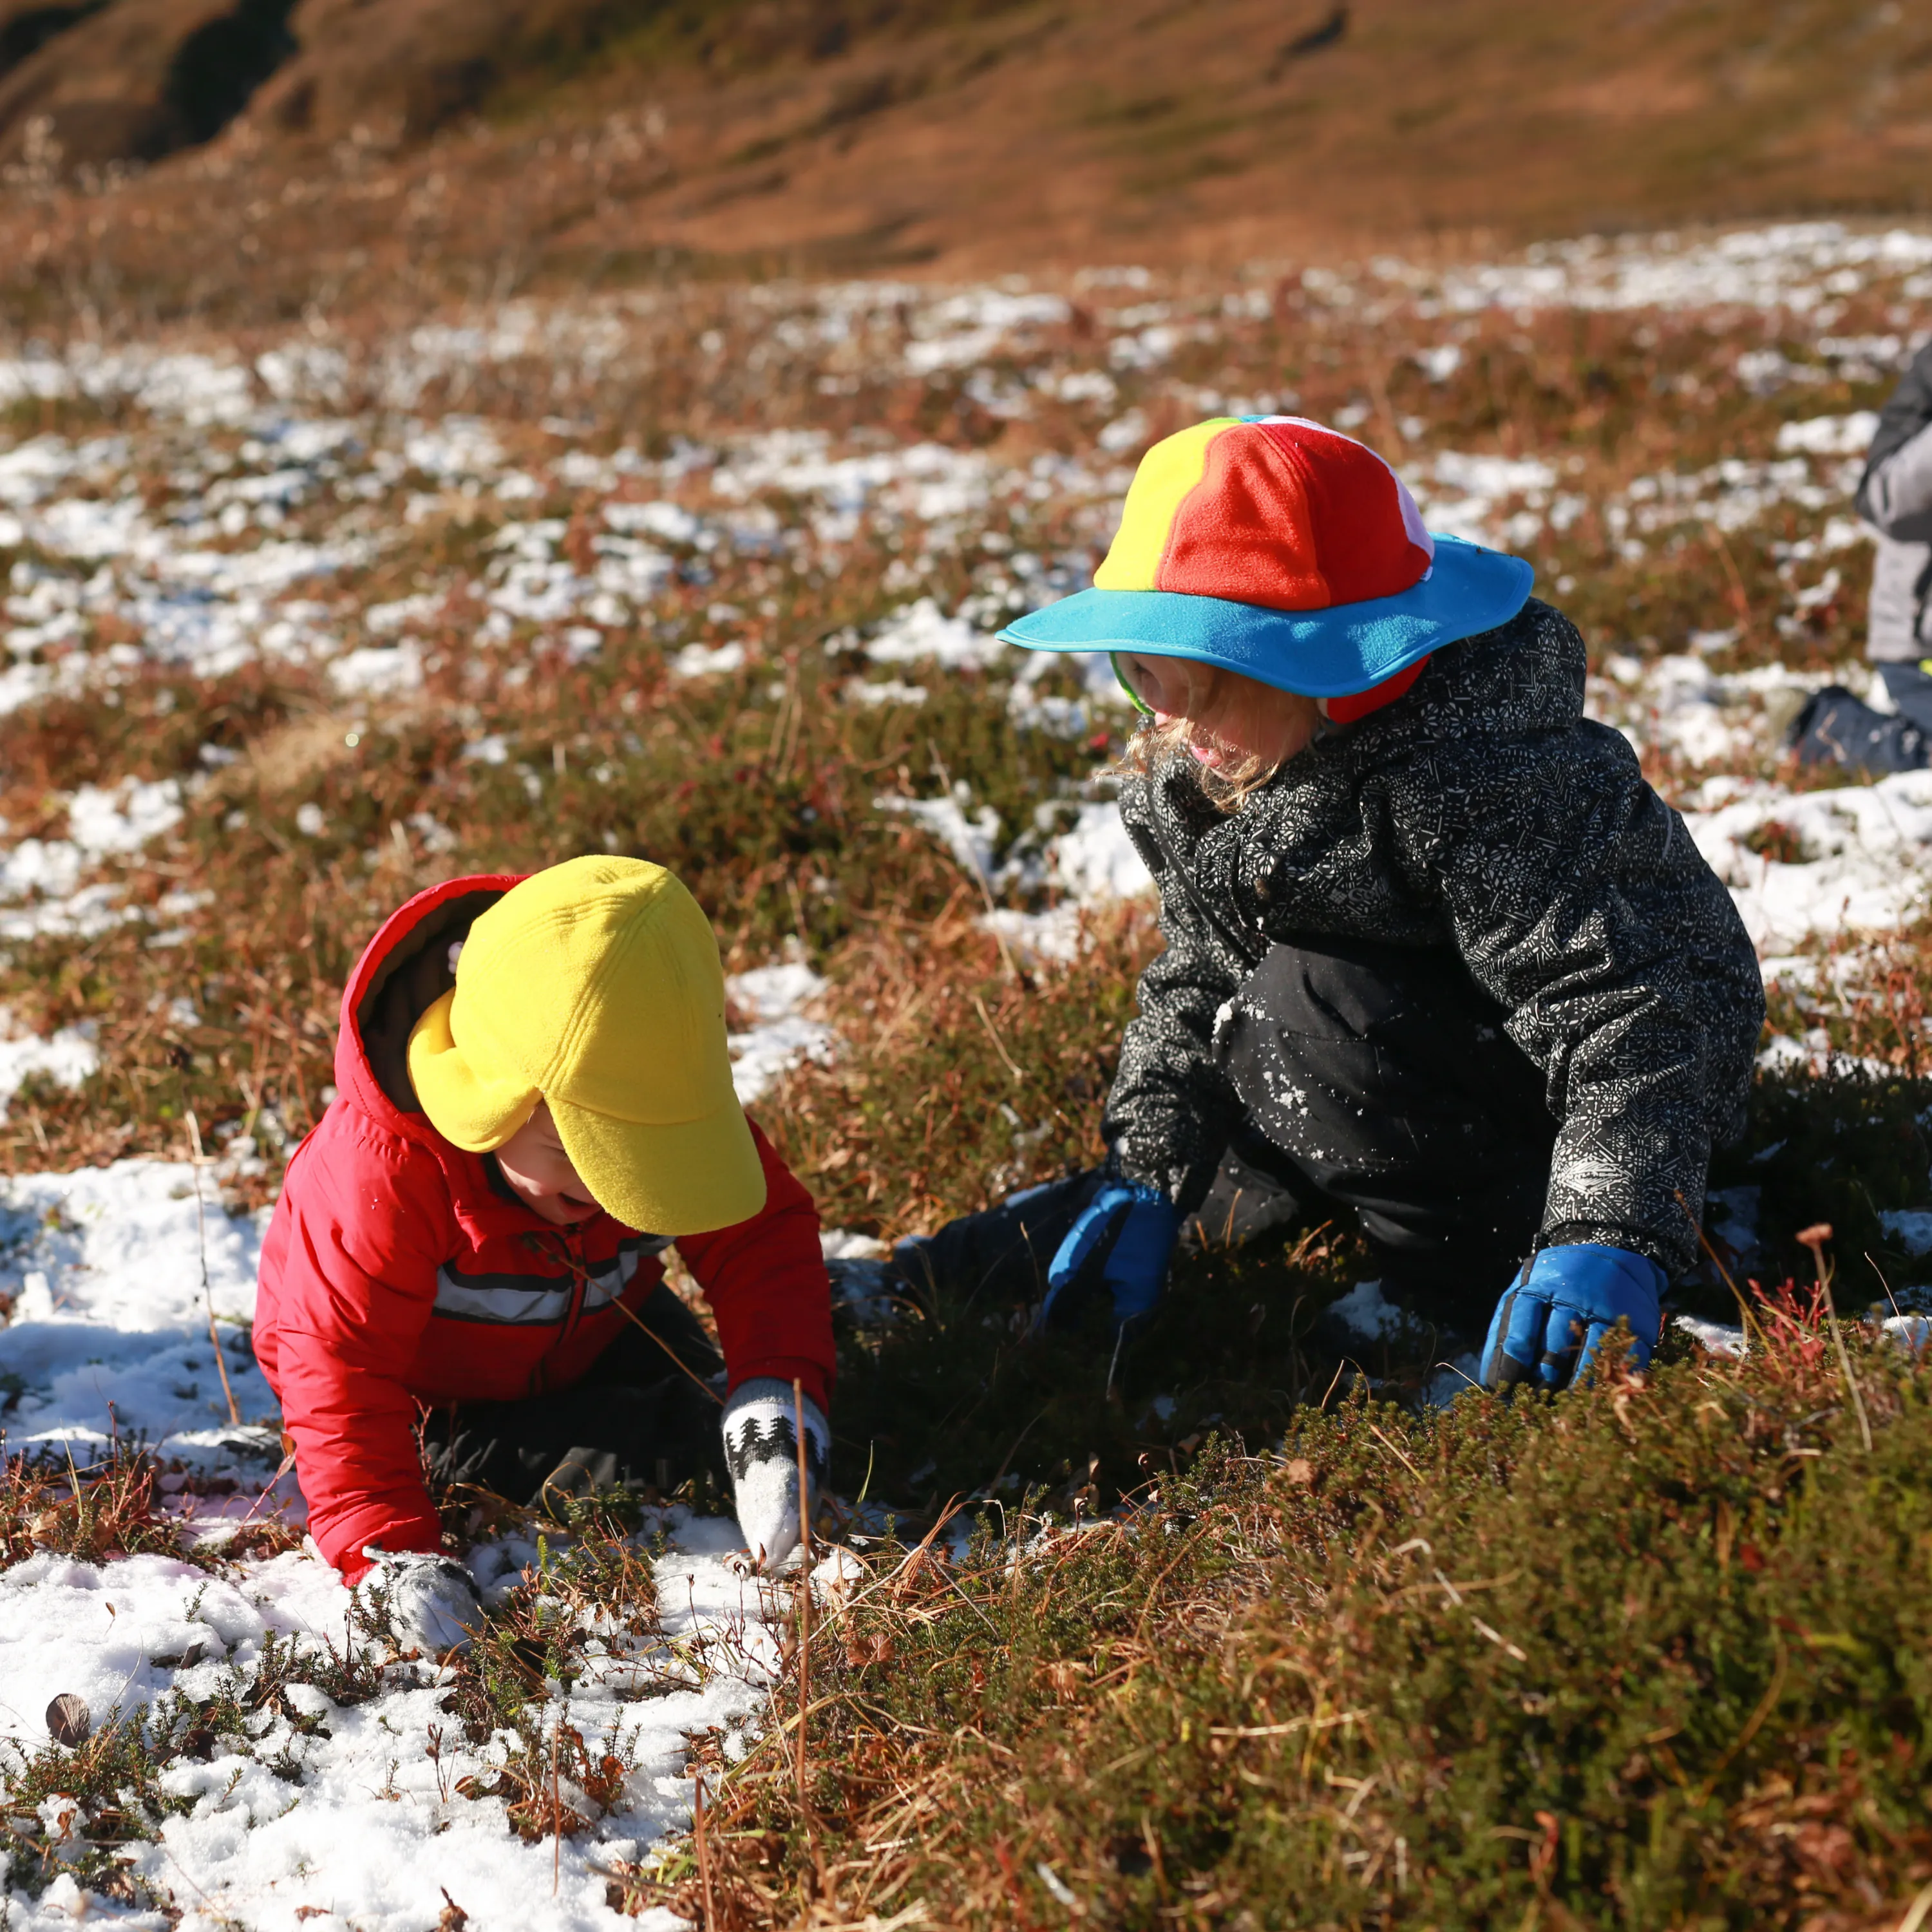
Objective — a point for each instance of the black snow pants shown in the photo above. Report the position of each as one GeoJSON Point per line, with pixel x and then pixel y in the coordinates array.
{"type": "Point", "coordinates": [633, 1419]}
{"type": "Point", "coordinates": [1373, 1079]}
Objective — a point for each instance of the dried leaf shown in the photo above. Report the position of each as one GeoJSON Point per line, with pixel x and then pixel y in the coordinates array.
{"type": "Point", "coordinates": [69, 1720]}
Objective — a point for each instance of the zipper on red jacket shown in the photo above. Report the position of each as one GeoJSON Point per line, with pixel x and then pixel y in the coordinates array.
{"type": "Point", "coordinates": [570, 1253]}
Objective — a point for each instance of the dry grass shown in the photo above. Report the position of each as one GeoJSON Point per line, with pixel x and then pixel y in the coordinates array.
{"type": "Point", "coordinates": [768, 811]}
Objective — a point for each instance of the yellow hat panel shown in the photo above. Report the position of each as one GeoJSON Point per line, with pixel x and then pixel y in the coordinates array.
{"type": "Point", "coordinates": [1168, 474]}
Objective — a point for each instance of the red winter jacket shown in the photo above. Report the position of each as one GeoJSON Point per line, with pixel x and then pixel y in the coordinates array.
{"type": "Point", "coordinates": [394, 1275]}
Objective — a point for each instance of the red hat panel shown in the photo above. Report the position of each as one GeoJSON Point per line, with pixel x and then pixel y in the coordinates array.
{"type": "Point", "coordinates": [1244, 531]}
{"type": "Point", "coordinates": [1360, 513]}
{"type": "Point", "coordinates": [1291, 516]}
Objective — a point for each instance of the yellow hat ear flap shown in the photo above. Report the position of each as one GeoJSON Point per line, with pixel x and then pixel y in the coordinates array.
{"type": "Point", "coordinates": [476, 1113]}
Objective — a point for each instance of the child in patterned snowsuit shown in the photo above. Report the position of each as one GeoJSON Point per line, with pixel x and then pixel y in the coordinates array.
{"type": "Point", "coordinates": [1436, 952]}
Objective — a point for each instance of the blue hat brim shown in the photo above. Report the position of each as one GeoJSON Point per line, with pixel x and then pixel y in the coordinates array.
{"type": "Point", "coordinates": [1337, 652]}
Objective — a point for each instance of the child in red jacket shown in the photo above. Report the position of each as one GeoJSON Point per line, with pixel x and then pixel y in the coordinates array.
{"type": "Point", "coordinates": [534, 1099]}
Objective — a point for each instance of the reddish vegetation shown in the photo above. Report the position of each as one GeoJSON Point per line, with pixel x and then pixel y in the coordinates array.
{"type": "Point", "coordinates": [461, 146]}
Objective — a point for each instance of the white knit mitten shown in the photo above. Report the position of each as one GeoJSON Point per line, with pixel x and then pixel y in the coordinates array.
{"type": "Point", "coordinates": [433, 1606]}
{"type": "Point", "coordinates": [761, 1450]}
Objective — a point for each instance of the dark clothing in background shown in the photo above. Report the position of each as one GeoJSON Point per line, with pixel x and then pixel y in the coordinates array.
{"type": "Point", "coordinates": [1895, 496]}
{"type": "Point", "coordinates": [1837, 726]}
{"type": "Point", "coordinates": [1480, 820]}
{"type": "Point", "coordinates": [635, 1418]}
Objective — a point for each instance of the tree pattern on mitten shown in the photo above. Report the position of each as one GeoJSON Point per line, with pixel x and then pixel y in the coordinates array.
{"type": "Point", "coordinates": [750, 1441]}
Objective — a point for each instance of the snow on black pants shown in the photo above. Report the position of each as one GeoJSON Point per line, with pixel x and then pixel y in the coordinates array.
{"type": "Point", "coordinates": [1376, 1078]}
{"type": "Point", "coordinates": [1379, 1077]}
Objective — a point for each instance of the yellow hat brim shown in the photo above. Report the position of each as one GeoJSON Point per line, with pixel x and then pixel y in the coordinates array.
{"type": "Point", "coordinates": [678, 1177]}
{"type": "Point", "coordinates": [478, 1115]}
{"type": "Point", "coordinates": [662, 1178]}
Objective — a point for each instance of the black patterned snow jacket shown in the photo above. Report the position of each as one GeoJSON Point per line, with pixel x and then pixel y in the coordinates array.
{"type": "Point", "coordinates": [1483, 810]}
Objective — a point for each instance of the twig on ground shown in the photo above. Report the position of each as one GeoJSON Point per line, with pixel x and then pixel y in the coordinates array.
{"type": "Point", "coordinates": [633, 1316]}
{"type": "Point", "coordinates": [1883, 1283]}
{"type": "Point", "coordinates": [196, 1158]}
{"type": "Point", "coordinates": [1740, 601]}
{"type": "Point", "coordinates": [1916, 1912]}
{"type": "Point", "coordinates": [704, 1851]}
{"type": "Point", "coordinates": [993, 1033]}
{"type": "Point", "coordinates": [979, 879]}
{"type": "Point", "coordinates": [287, 1463]}
{"type": "Point", "coordinates": [1814, 1237]}
{"type": "Point", "coordinates": [1717, 1261]}
{"type": "Point", "coordinates": [1395, 1449]}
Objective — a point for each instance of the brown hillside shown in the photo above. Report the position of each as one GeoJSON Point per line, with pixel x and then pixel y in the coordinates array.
{"type": "Point", "coordinates": [455, 145]}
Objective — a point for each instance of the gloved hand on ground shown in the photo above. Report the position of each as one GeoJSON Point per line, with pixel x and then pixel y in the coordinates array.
{"type": "Point", "coordinates": [1549, 1321]}
{"type": "Point", "coordinates": [433, 1606]}
{"type": "Point", "coordinates": [761, 1450]}
{"type": "Point", "coordinates": [1131, 1228]}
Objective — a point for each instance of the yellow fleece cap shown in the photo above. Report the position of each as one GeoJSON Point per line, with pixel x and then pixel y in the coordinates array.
{"type": "Point", "coordinates": [596, 985]}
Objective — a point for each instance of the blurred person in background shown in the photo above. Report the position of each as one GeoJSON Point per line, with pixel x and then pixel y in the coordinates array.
{"type": "Point", "coordinates": [1895, 496]}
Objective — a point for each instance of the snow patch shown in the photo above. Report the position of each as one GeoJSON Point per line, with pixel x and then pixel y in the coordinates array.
{"type": "Point", "coordinates": [1863, 855]}
{"type": "Point", "coordinates": [1721, 1338]}
{"type": "Point", "coordinates": [1910, 1227]}
{"type": "Point", "coordinates": [781, 1036]}
{"type": "Point", "coordinates": [1364, 1312]}
{"type": "Point", "coordinates": [921, 634]}
{"type": "Point", "coordinates": [707, 660]}
{"type": "Point", "coordinates": [67, 1056]}
{"type": "Point", "coordinates": [108, 1331]}
{"type": "Point", "coordinates": [971, 840]}
{"type": "Point", "coordinates": [1830, 435]}
{"type": "Point", "coordinates": [1095, 860]}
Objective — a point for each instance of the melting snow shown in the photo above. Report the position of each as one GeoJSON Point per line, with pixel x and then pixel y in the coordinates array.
{"type": "Point", "coordinates": [707, 660]}
{"type": "Point", "coordinates": [68, 1057]}
{"type": "Point", "coordinates": [781, 1036]}
{"type": "Point", "coordinates": [108, 1334]}
{"type": "Point", "coordinates": [1911, 1228]}
{"type": "Point", "coordinates": [244, 556]}
{"type": "Point", "coordinates": [1095, 860]}
{"type": "Point", "coordinates": [921, 634]}
{"type": "Point", "coordinates": [1366, 1311]}
{"type": "Point", "coordinates": [1864, 862]}
{"type": "Point", "coordinates": [1830, 435]}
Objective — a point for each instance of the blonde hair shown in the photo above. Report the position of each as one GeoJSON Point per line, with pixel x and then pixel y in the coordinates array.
{"type": "Point", "coordinates": [1242, 772]}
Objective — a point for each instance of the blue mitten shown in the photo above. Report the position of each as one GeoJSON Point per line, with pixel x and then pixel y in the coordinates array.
{"type": "Point", "coordinates": [1547, 1327]}
{"type": "Point", "coordinates": [1133, 1227]}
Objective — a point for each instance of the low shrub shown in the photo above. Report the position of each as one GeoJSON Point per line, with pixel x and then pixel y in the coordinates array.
{"type": "Point", "coordinates": [1651, 1654]}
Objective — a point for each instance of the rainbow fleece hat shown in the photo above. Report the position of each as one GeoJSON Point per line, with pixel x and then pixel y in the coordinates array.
{"type": "Point", "coordinates": [1272, 546]}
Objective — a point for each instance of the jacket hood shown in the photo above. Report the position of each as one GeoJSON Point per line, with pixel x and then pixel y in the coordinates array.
{"type": "Point", "coordinates": [1527, 675]}
{"type": "Point", "coordinates": [403, 970]}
